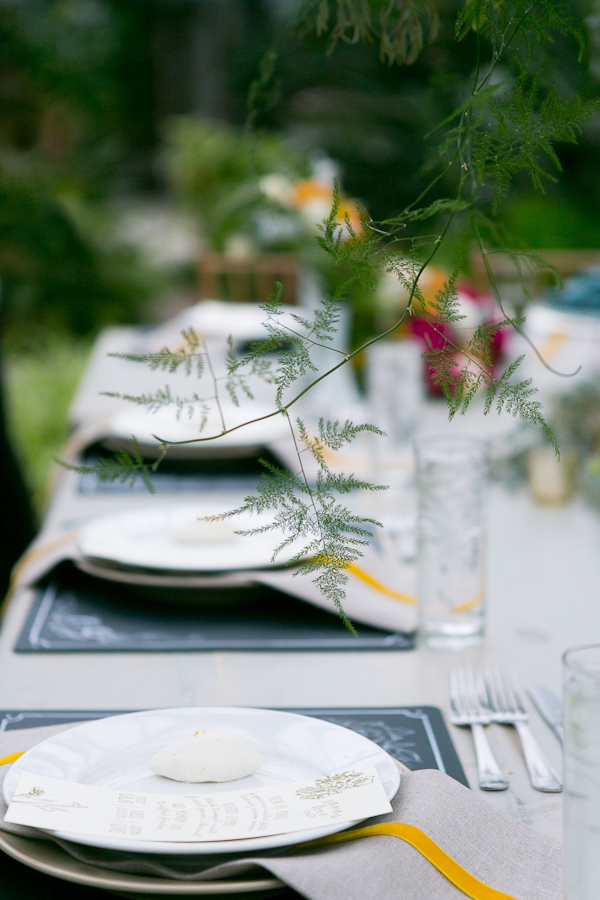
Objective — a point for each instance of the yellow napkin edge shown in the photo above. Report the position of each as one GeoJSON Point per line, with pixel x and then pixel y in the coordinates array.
{"type": "Point", "coordinates": [445, 864]}
{"type": "Point", "coordinates": [11, 758]}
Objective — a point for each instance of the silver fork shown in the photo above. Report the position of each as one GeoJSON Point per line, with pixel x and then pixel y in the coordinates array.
{"type": "Point", "coordinates": [467, 709]}
{"type": "Point", "coordinates": [506, 702]}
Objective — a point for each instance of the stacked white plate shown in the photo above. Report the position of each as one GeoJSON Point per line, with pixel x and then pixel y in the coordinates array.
{"type": "Point", "coordinates": [114, 753]}
{"type": "Point", "coordinates": [176, 546]}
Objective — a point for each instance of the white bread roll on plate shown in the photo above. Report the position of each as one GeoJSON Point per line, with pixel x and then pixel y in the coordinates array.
{"type": "Point", "coordinates": [207, 756]}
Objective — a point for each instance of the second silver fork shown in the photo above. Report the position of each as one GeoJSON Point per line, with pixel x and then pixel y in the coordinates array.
{"type": "Point", "coordinates": [507, 709]}
{"type": "Point", "coordinates": [468, 708]}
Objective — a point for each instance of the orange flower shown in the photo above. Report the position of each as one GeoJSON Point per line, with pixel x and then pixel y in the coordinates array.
{"type": "Point", "coordinates": [309, 189]}
{"type": "Point", "coordinates": [314, 199]}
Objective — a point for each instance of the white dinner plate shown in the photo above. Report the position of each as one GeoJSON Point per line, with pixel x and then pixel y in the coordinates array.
{"type": "Point", "coordinates": [165, 424]}
{"type": "Point", "coordinates": [174, 538]}
{"type": "Point", "coordinates": [114, 753]}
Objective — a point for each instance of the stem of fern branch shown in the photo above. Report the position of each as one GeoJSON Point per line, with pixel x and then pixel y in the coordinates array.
{"type": "Point", "coordinates": [303, 473]}
{"type": "Point", "coordinates": [463, 144]}
{"type": "Point", "coordinates": [215, 385]}
{"type": "Point", "coordinates": [309, 340]}
{"type": "Point", "coordinates": [494, 286]}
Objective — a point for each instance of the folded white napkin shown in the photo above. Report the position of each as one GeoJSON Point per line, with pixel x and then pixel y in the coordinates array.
{"type": "Point", "coordinates": [497, 850]}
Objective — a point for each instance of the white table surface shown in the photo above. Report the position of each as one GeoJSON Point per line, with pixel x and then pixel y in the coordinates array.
{"type": "Point", "coordinates": [543, 597]}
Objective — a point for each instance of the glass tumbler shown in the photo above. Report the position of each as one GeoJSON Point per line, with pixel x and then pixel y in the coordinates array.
{"type": "Point", "coordinates": [394, 381]}
{"type": "Point", "coordinates": [581, 669]}
{"type": "Point", "coordinates": [451, 532]}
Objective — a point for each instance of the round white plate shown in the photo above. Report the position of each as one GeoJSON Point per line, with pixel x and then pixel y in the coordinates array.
{"type": "Point", "coordinates": [147, 426]}
{"type": "Point", "coordinates": [114, 753]}
{"type": "Point", "coordinates": [174, 538]}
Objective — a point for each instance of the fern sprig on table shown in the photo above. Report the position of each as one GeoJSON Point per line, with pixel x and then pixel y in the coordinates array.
{"type": "Point", "coordinates": [125, 466]}
{"type": "Point", "coordinates": [189, 356]}
{"type": "Point", "coordinates": [323, 535]}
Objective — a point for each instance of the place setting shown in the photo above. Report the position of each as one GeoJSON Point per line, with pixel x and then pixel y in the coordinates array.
{"type": "Point", "coordinates": [119, 802]}
{"type": "Point", "coordinates": [114, 572]}
{"type": "Point", "coordinates": [166, 577]}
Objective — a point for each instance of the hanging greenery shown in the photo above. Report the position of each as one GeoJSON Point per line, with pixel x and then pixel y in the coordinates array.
{"type": "Point", "coordinates": [512, 112]}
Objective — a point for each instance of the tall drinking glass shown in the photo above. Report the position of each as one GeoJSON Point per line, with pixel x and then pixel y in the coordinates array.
{"type": "Point", "coordinates": [581, 669]}
{"type": "Point", "coordinates": [394, 375]}
{"type": "Point", "coordinates": [395, 389]}
{"type": "Point", "coordinates": [451, 530]}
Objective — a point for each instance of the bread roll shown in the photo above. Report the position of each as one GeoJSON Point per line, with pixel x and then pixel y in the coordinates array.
{"type": "Point", "coordinates": [207, 756]}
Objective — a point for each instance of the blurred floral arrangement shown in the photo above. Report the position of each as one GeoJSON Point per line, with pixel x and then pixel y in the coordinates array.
{"type": "Point", "coordinates": [474, 309]}
{"type": "Point", "coordinates": [253, 193]}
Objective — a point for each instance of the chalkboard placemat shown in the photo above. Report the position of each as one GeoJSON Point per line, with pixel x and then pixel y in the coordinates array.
{"type": "Point", "coordinates": [415, 735]}
{"type": "Point", "coordinates": [75, 612]}
{"type": "Point", "coordinates": [237, 474]}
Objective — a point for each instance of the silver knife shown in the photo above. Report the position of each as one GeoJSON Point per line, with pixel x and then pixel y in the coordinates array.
{"type": "Point", "coordinates": [549, 707]}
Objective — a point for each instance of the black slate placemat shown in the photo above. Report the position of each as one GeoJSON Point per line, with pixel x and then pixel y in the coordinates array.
{"type": "Point", "coordinates": [415, 735]}
{"type": "Point", "coordinates": [237, 474]}
{"type": "Point", "coordinates": [75, 612]}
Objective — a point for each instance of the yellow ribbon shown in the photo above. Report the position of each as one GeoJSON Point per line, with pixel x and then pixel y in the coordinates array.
{"type": "Point", "coordinates": [469, 604]}
{"type": "Point", "coordinates": [377, 585]}
{"type": "Point", "coordinates": [455, 873]}
{"type": "Point", "coordinates": [353, 569]}
{"type": "Point", "coordinates": [11, 758]}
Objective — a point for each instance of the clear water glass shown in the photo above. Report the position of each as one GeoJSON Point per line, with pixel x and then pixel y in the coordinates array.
{"type": "Point", "coordinates": [395, 388]}
{"type": "Point", "coordinates": [581, 669]}
{"type": "Point", "coordinates": [395, 393]}
{"type": "Point", "coordinates": [451, 535]}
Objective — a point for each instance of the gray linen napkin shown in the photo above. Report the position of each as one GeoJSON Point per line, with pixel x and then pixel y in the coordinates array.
{"type": "Point", "coordinates": [373, 594]}
{"type": "Point", "coordinates": [495, 848]}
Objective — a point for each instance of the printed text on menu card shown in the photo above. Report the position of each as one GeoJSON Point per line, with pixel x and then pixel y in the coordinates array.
{"type": "Point", "coordinates": [57, 805]}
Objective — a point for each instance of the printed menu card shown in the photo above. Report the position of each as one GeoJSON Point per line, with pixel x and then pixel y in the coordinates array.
{"type": "Point", "coordinates": [57, 805]}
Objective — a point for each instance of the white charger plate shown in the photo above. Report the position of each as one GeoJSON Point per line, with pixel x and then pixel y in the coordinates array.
{"type": "Point", "coordinates": [152, 537]}
{"type": "Point", "coordinates": [52, 859]}
{"type": "Point", "coordinates": [114, 753]}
